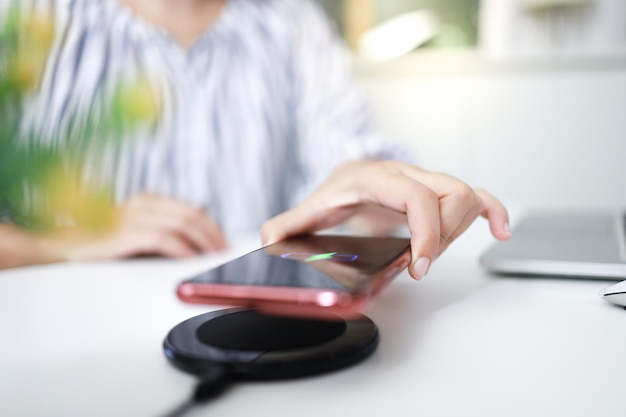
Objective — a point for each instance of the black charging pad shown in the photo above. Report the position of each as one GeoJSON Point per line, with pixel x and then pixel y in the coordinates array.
{"type": "Point", "coordinates": [250, 345]}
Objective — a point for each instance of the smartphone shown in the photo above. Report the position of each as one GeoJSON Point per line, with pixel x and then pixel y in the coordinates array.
{"type": "Point", "coordinates": [311, 275]}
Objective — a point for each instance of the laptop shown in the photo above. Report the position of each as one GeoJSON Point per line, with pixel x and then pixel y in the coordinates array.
{"type": "Point", "coordinates": [573, 244]}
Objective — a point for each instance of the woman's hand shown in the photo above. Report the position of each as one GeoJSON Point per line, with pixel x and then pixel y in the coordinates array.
{"type": "Point", "coordinates": [153, 225]}
{"type": "Point", "coordinates": [148, 224]}
{"type": "Point", "coordinates": [437, 207]}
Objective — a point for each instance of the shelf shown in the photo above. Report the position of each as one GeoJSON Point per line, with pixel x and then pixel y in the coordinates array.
{"type": "Point", "coordinates": [472, 62]}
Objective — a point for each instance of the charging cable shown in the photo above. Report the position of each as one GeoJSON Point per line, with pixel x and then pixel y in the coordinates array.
{"type": "Point", "coordinates": [211, 384]}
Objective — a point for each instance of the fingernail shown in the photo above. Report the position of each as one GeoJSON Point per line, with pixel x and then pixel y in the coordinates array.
{"type": "Point", "coordinates": [420, 267]}
{"type": "Point", "coordinates": [507, 229]}
{"type": "Point", "coordinates": [267, 241]}
{"type": "Point", "coordinates": [264, 237]}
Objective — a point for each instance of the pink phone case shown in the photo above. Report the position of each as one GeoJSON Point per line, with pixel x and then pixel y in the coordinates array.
{"type": "Point", "coordinates": [292, 301]}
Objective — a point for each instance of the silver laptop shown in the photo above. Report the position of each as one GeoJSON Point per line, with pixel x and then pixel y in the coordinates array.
{"type": "Point", "coordinates": [589, 244]}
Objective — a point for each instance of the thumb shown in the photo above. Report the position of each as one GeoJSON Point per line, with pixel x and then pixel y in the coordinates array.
{"type": "Point", "coordinates": [280, 227]}
{"type": "Point", "coordinates": [307, 217]}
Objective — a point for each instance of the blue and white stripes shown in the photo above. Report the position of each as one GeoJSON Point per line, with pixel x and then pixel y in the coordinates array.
{"type": "Point", "coordinates": [257, 112]}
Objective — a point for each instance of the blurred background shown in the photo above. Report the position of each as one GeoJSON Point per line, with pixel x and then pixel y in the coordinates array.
{"type": "Point", "coordinates": [524, 97]}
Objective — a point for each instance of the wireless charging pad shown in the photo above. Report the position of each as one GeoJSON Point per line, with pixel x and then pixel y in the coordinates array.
{"type": "Point", "coordinates": [251, 346]}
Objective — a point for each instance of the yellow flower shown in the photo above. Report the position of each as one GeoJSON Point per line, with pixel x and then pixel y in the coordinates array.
{"type": "Point", "coordinates": [37, 32]}
{"type": "Point", "coordinates": [71, 203]}
{"type": "Point", "coordinates": [25, 70]}
{"type": "Point", "coordinates": [35, 35]}
{"type": "Point", "coordinates": [137, 103]}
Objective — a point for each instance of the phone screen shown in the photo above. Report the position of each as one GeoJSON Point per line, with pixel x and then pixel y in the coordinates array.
{"type": "Point", "coordinates": [340, 263]}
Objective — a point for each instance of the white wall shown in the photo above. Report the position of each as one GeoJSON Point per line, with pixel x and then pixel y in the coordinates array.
{"type": "Point", "coordinates": [535, 135]}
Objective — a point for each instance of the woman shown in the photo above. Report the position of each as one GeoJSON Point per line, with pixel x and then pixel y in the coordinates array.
{"type": "Point", "coordinates": [261, 120]}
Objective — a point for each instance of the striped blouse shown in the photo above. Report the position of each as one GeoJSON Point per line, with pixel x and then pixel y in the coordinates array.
{"type": "Point", "coordinates": [257, 112]}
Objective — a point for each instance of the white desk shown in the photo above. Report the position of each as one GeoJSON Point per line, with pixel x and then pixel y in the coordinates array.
{"type": "Point", "coordinates": [85, 340]}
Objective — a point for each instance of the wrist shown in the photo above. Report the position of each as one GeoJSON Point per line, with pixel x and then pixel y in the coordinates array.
{"type": "Point", "coordinates": [20, 247]}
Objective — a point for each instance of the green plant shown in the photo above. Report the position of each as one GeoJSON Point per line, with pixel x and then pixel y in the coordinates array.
{"type": "Point", "coordinates": [40, 184]}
